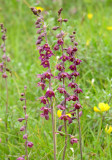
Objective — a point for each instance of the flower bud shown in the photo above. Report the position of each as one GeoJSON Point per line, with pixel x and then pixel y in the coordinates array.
{"type": "Point", "coordinates": [26, 116]}
{"type": "Point", "coordinates": [30, 144]}
{"type": "Point", "coordinates": [20, 119]}
{"type": "Point", "coordinates": [25, 136]}
{"type": "Point", "coordinates": [8, 59]}
{"type": "Point", "coordinates": [4, 75]}
{"type": "Point", "coordinates": [22, 128]}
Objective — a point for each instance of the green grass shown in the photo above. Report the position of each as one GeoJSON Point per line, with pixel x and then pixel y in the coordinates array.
{"type": "Point", "coordinates": [97, 65]}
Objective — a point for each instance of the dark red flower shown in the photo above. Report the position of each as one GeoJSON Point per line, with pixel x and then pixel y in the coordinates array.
{"type": "Point", "coordinates": [47, 75]}
{"type": "Point", "coordinates": [65, 117]}
{"type": "Point", "coordinates": [78, 90]}
{"type": "Point", "coordinates": [50, 93]}
{"type": "Point", "coordinates": [62, 90]}
{"type": "Point", "coordinates": [64, 58]}
{"type": "Point", "coordinates": [42, 57]}
{"type": "Point", "coordinates": [73, 67]}
{"type": "Point", "coordinates": [75, 74]}
{"type": "Point", "coordinates": [45, 63]}
{"type": "Point", "coordinates": [45, 112]}
{"type": "Point", "coordinates": [77, 106]}
{"type": "Point", "coordinates": [77, 61]}
{"type": "Point", "coordinates": [56, 47]}
{"type": "Point", "coordinates": [42, 85]}
{"type": "Point", "coordinates": [49, 53]}
{"type": "Point", "coordinates": [30, 144]}
{"type": "Point", "coordinates": [60, 67]}
{"type": "Point", "coordinates": [60, 41]}
{"type": "Point", "coordinates": [72, 98]}
{"type": "Point", "coordinates": [63, 75]}
{"type": "Point", "coordinates": [73, 140]}
{"type": "Point", "coordinates": [44, 100]}
{"type": "Point", "coordinates": [72, 85]}
{"type": "Point", "coordinates": [61, 107]}
{"type": "Point", "coordinates": [46, 47]}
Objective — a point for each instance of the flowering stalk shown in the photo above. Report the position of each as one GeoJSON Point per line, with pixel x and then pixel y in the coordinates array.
{"type": "Point", "coordinates": [24, 128]}
{"type": "Point", "coordinates": [68, 54]}
{"type": "Point", "coordinates": [3, 69]}
{"type": "Point", "coordinates": [45, 55]}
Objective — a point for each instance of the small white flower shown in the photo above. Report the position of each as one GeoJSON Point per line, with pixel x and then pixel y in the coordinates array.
{"type": "Point", "coordinates": [57, 57]}
{"type": "Point", "coordinates": [92, 80]}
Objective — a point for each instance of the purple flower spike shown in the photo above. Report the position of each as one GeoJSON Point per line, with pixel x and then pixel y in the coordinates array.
{"type": "Point", "coordinates": [30, 144]}
{"type": "Point", "coordinates": [50, 93]}
{"type": "Point", "coordinates": [78, 90]}
{"type": "Point", "coordinates": [73, 140]}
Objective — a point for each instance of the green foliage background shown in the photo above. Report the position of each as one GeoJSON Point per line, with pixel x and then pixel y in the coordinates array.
{"type": "Point", "coordinates": [96, 66]}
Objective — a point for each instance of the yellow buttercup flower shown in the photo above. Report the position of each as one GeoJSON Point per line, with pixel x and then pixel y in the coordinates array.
{"type": "Point", "coordinates": [39, 8]}
{"type": "Point", "coordinates": [108, 130]}
{"type": "Point", "coordinates": [102, 107]}
{"type": "Point", "coordinates": [59, 113]}
{"type": "Point", "coordinates": [109, 28]}
{"type": "Point", "coordinates": [90, 16]}
{"type": "Point", "coordinates": [69, 115]}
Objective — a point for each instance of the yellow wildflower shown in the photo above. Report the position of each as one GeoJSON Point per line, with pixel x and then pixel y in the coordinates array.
{"type": "Point", "coordinates": [108, 130]}
{"type": "Point", "coordinates": [69, 115]}
{"type": "Point", "coordinates": [87, 42]}
{"type": "Point", "coordinates": [59, 113]}
{"type": "Point", "coordinates": [109, 28]}
{"type": "Point", "coordinates": [39, 8]}
{"type": "Point", "coordinates": [102, 107]}
{"type": "Point", "coordinates": [0, 119]}
{"type": "Point", "coordinates": [90, 16]}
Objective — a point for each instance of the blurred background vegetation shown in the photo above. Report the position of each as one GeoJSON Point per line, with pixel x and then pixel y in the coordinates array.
{"type": "Point", "coordinates": [92, 21]}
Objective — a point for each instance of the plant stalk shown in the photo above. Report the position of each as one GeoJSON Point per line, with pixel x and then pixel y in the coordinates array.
{"type": "Point", "coordinates": [80, 139]}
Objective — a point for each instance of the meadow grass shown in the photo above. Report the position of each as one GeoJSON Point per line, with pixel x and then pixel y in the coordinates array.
{"type": "Point", "coordinates": [95, 49]}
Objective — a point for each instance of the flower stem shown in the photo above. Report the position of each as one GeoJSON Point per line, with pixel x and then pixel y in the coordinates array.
{"type": "Point", "coordinates": [99, 132]}
{"type": "Point", "coordinates": [53, 130]}
{"type": "Point", "coordinates": [65, 140]}
{"type": "Point", "coordinates": [26, 132]}
{"type": "Point", "coordinates": [6, 108]}
{"type": "Point", "coordinates": [80, 139]}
